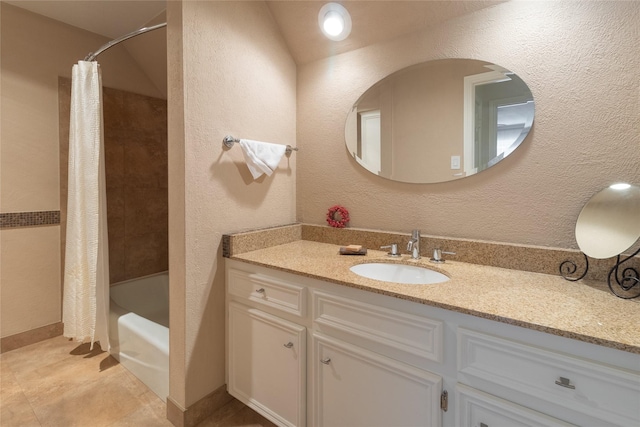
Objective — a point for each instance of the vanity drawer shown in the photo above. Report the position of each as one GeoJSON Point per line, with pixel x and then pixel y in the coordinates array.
{"type": "Point", "coordinates": [404, 336]}
{"type": "Point", "coordinates": [594, 389]}
{"type": "Point", "coordinates": [267, 291]}
{"type": "Point", "coordinates": [478, 409]}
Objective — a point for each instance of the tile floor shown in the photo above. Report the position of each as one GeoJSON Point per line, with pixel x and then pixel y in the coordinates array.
{"type": "Point", "coordinates": [59, 383]}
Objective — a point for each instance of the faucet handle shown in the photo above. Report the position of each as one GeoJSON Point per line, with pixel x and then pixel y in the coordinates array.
{"type": "Point", "coordinates": [394, 249]}
{"type": "Point", "coordinates": [437, 255]}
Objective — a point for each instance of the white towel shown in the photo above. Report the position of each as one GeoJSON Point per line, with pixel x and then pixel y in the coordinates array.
{"type": "Point", "coordinates": [261, 157]}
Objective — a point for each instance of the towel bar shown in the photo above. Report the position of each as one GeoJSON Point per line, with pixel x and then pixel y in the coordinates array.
{"type": "Point", "coordinates": [228, 142]}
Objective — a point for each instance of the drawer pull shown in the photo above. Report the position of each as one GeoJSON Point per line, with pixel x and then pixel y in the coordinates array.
{"type": "Point", "coordinates": [326, 360]}
{"type": "Point", "coordinates": [289, 344]}
{"type": "Point", "coordinates": [483, 425]}
{"type": "Point", "coordinates": [565, 382]}
{"type": "Point", "coordinates": [260, 291]}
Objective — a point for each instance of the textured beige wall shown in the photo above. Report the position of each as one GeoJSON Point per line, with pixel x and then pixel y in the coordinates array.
{"type": "Point", "coordinates": [30, 290]}
{"type": "Point", "coordinates": [580, 60]}
{"type": "Point", "coordinates": [177, 192]}
{"type": "Point", "coordinates": [150, 52]}
{"type": "Point", "coordinates": [229, 73]}
{"type": "Point", "coordinates": [35, 51]}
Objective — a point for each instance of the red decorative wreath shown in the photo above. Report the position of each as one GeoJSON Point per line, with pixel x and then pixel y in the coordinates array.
{"type": "Point", "coordinates": [338, 216]}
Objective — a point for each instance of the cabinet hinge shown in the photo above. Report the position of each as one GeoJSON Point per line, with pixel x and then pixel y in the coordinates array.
{"type": "Point", "coordinates": [444, 400]}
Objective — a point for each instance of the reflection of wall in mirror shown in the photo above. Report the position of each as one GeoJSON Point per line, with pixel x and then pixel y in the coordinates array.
{"type": "Point", "coordinates": [436, 99]}
{"type": "Point", "coordinates": [421, 113]}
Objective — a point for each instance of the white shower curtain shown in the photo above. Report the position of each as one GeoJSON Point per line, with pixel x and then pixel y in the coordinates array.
{"type": "Point", "coordinates": [85, 307]}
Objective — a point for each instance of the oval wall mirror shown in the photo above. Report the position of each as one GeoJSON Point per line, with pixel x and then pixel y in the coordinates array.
{"type": "Point", "coordinates": [609, 223]}
{"type": "Point", "coordinates": [439, 121]}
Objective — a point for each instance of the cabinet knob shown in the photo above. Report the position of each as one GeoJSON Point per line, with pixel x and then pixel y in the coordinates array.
{"type": "Point", "coordinates": [326, 360]}
{"type": "Point", "coordinates": [565, 382]}
{"type": "Point", "coordinates": [260, 291]}
{"type": "Point", "coordinates": [289, 344]}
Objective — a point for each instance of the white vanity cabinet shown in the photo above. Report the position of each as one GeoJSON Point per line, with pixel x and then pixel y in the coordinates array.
{"type": "Point", "coordinates": [267, 354]}
{"type": "Point", "coordinates": [364, 361]}
{"type": "Point", "coordinates": [358, 358]}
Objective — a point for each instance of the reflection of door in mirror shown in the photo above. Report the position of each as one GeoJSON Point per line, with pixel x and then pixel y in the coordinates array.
{"type": "Point", "coordinates": [471, 161]}
{"type": "Point", "coordinates": [509, 119]}
{"type": "Point", "coordinates": [503, 108]}
{"type": "Point", "coordinates": [369, 139]}
{"type": "Point", "coordinates": [513, 121]}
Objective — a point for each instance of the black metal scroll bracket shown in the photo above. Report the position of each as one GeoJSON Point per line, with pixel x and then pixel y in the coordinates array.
{"type": "Point", "coordinates": [568, 267]}
{"type": "Point", "coordinates": [623, 283]}
{"type": "Point", "coordinates": [627, 281]}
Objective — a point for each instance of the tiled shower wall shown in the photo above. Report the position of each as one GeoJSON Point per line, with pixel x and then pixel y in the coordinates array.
{"type": "Point", "coordinates": [135, 132]}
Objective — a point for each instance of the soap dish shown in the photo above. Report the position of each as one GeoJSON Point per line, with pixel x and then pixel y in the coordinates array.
{"type": "Point", "coordinates": [345, 251]}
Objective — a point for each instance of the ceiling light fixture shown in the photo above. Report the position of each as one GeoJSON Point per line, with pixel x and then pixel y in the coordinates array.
{"type": "Point", "coordinates": [334, 21]}
{"type": "Point", "coordinates": [620, 186]}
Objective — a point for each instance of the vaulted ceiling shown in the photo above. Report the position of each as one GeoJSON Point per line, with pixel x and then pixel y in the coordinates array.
{"type": "Point", "coordinates": [108, 18]}
{"type": "Point", "coordinates": [373, 21]}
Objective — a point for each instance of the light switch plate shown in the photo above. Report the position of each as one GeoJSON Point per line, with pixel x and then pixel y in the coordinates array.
{"type": "Point", "coordinates": [455, 162]}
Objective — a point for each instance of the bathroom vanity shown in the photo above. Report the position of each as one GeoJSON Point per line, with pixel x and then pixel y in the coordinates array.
{"type": "Point", "coordinates": [311, 343]}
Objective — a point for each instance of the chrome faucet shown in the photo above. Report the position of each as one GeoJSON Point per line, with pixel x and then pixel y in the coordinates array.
{"type": "Point", "coordinates": [414, 244]}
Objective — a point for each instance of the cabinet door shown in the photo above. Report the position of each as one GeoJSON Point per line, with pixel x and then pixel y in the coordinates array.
{"type": "Point", "coordinates": [356, 387]}
{"type": "Point", "coordinates": [267, 364]}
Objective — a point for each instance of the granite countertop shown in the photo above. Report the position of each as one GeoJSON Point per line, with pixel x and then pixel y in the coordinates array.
{"type": "Point", "coordinates": [584, 310]}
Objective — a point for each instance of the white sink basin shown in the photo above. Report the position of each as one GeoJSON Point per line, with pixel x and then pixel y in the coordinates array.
{"type": "Point", "coordinates": [399, 273]}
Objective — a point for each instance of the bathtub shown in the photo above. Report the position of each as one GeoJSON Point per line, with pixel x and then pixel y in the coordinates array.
{"type": "Point", "coordinates": [139, 329]}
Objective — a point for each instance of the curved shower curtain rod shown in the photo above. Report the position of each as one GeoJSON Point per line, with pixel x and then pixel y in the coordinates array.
{"type": "Point", "coordinates": [93, 55]}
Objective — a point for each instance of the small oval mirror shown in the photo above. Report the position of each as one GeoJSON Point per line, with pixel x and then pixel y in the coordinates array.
{"type": "Point", "coordinates": [609, 223]}
{"type": "Point", "coordinates": [439, 121]}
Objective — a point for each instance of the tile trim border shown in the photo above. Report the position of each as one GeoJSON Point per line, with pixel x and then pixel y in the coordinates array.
{"type": "Point", "coordinates": [29, 219]}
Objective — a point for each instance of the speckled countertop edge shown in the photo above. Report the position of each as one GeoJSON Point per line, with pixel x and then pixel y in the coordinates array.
{"type": "Point", "coordinates": [536, 301]}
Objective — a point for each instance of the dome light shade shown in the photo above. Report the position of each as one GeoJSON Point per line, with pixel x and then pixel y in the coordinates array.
{"type": "Point", "coordinates": [620, 186]}
{"type": "Point", "coordinates": [334, 21]}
